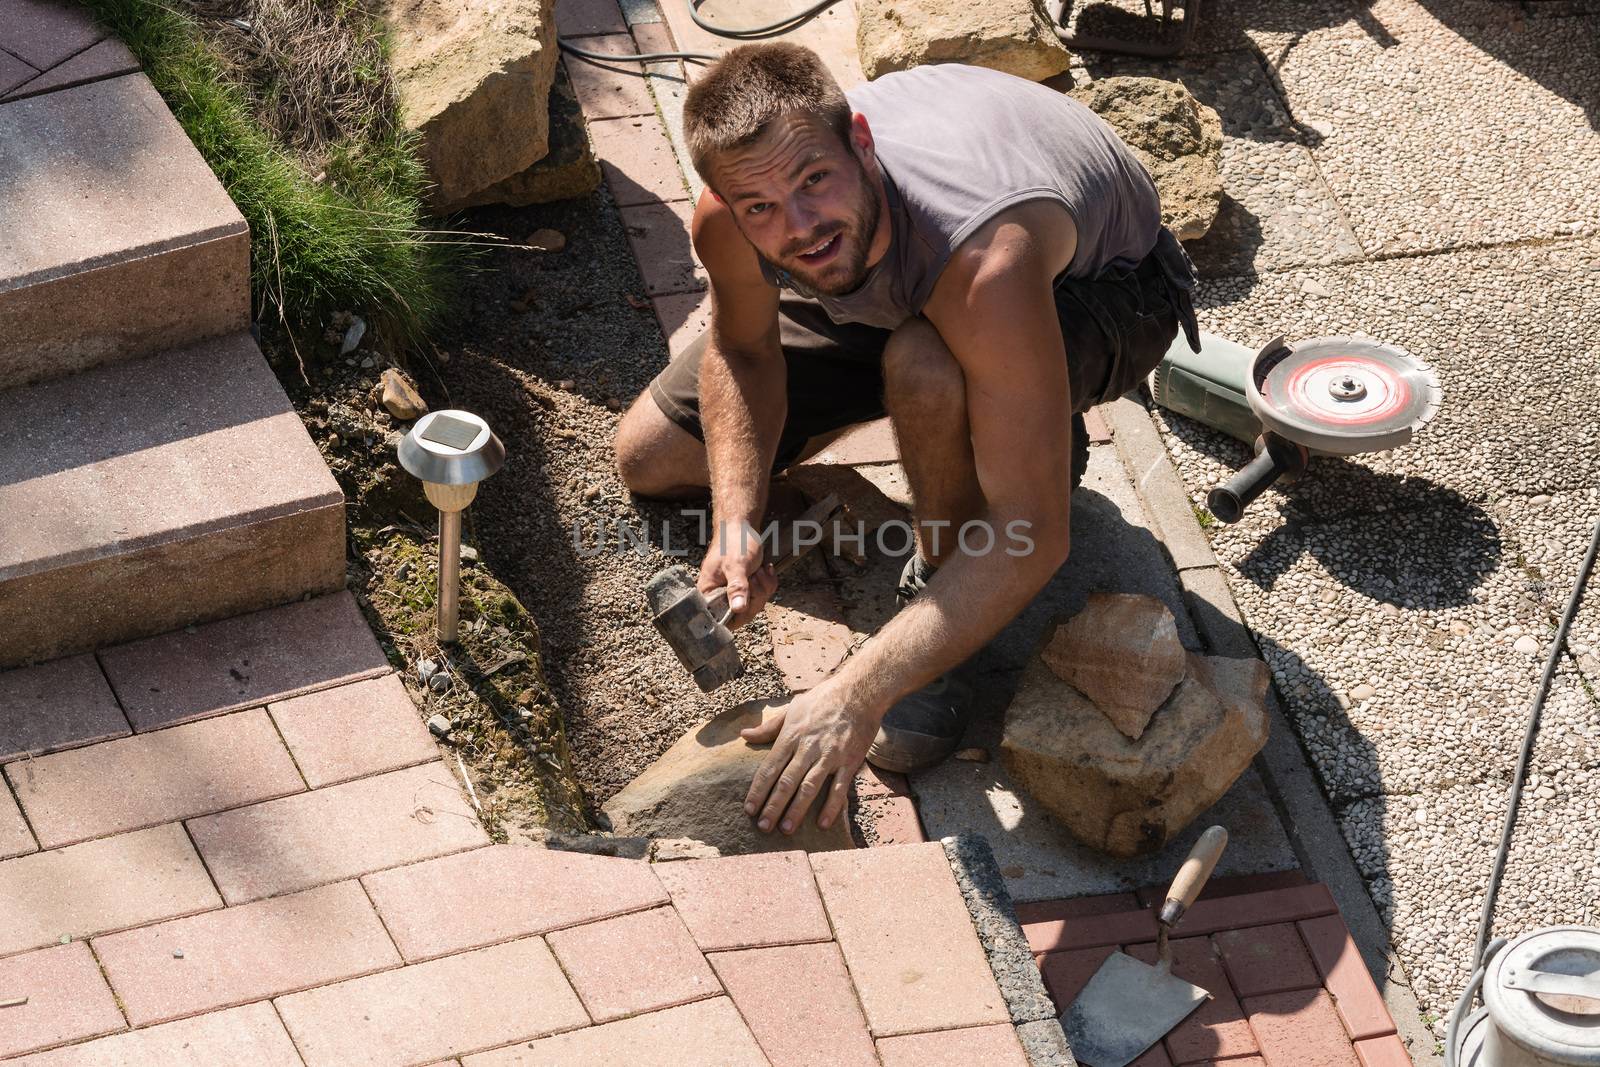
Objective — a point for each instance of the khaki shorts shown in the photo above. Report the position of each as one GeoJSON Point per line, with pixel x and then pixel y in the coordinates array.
{"type": "Point", "coordinates": [1117, 327]}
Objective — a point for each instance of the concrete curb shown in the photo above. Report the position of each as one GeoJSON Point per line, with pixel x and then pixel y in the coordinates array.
{"type": "Point", "coordinates": [1313, 831]}
{"type": "Point", "coordinates": [993, 917]}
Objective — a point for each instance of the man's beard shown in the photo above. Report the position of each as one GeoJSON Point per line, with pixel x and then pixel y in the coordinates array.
{"type": "Point", "coordinates": [846, 274]}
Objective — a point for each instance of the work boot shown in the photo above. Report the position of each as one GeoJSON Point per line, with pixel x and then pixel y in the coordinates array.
{"type": "Point", "coordinates": [923, 727]}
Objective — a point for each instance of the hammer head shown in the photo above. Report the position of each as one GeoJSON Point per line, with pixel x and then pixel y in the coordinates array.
{"type": "Point", "coordinates": [691, 623]}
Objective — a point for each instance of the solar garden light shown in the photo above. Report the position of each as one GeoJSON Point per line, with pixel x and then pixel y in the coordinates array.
{"type": "Point", "coordinates": [451, 452]}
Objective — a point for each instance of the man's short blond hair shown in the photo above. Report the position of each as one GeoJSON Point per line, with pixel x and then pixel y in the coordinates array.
{"type": "Point", "coordinates": [749, 88]}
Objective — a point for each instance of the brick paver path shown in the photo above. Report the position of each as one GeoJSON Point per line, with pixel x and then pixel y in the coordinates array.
{"type": "Point", "coordinates": [1288, 986]}
{"type": "Point", "coordinates": [237, 844]}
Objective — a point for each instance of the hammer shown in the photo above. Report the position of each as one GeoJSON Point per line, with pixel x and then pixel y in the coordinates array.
{"type": "Point", "coordinates": [696, 625]}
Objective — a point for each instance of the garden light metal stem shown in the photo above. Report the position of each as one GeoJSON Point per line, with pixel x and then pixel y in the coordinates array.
{"type": "Point", "coordinates": [449, 574]}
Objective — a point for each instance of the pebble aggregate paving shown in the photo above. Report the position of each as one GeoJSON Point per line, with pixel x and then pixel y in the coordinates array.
{"type": "Point", "coordinates": [1406, 601]}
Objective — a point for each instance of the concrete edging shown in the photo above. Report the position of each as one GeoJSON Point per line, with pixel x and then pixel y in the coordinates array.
{"type": "Point", "coordinates": [994, 918]}
{"type": "Point", "coordinates": [1313, 832]}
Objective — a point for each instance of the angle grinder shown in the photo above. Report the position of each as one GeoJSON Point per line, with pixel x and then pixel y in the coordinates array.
{"type": "Point", "coordinates": [1342, 396]}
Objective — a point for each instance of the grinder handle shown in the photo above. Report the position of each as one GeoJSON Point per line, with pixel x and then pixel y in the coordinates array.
{"type": "Point", "coordinates": [1192, 875]}
{"type": "Point", "coordinates": [1276, 458]}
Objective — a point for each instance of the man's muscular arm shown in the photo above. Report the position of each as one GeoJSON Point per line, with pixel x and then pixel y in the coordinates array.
{"type": "Point", "coordinates": [995, 310]}
{"type": "Point", "coordinates": [743, 402]}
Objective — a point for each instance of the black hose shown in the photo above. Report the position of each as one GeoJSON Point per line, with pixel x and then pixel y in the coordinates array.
{"type": "Point", "coordinates": [1486, 918]}
{"type": "Point", "coordinates": [737, 33]}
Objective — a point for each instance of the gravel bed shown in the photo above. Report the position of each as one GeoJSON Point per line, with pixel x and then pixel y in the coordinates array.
{"type": "Point", "coordinates": [1405, 601]}
{"type": "Point", "coordinates": [552, 380]}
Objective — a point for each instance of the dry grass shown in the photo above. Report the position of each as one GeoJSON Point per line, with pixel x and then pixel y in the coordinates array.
{"type": "Point", "coordinates": [315, 69]}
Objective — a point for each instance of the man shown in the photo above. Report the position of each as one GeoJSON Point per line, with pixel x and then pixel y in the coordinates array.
{"type": "Point", "coordinates": [977, 254]}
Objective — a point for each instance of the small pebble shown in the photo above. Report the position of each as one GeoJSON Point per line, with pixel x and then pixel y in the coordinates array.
{"type": "Point", "coordinates": [591, 492]}
{"type": "Point", "coordinates": [439, 726]}
{"type": "Point", "coordinates": [1527, 644]}
{"type": "Point", "coordinates": [440, 682]}
{"type": "Point", "coordinates": [469, 554]}
{"type": "Point", "coordinates": [546, 240]}
{"type": "Point", "coordinates": [1312, 287]}
{"type": "Point", "coordinates": [973, 755]}
{"type": "Point", "coordinates": [1362, 692]}
{"type": "Point", "coordinates": [177, 953]}
{"type": "Point", "coordinates": [1542, 498]}
{"type": "Point", "coordinates": [426, 669]}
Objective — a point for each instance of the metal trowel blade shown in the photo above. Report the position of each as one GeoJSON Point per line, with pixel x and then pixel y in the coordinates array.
{"type": "Point", "coordinates": [1126, 1007]}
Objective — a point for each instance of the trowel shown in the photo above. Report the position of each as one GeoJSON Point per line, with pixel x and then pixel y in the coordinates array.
{"type": "Point", "coordinates": [1128, 1005]}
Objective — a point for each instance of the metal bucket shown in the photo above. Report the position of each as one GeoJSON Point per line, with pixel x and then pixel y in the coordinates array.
{"type": "Point", "coordinates": [1541, 997]}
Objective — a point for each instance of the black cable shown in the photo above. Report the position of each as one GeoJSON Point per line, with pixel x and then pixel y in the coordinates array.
{"type": "Point", "coordinates": [736, 33]}
{"type": "Point", "coordinates": [1486, 918]}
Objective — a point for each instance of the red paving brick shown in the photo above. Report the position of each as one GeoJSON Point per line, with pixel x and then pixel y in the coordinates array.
{"type": "Point", "coordinates": [659, 237]}
{"type": "Point", "coordinates": [1042, 911]}
{"type": "Point", "coordinates": [1217, 1029]}
{"type": "Point", "coordinates": [559, 889]}
{"type": "Point", "coordinates": [677, 1037]}
{"type": "Point", "coordinates": [427, 1011]}
{"type": "Point", "coordinates": [584, 18]}
{"type": "Point", "coordinates": [637, 161]}
{"type": "Point", "coordinates": [799, 1003]}
{"type": "Point", "coordinates": [354, 730]}
{"type": "Point", "coordinates": [339, 832]}
{"type": "Point", "coordinates": [1267, 959]}
{"type": "Point", "coordinates": [1259, 909]}
{"type": "Point", "coordinates": [45, 32]}
{"type": "Point", "coordinates": [870, 442]}
{"type": "Point", "coordinates": [1152, 895]}
{"type": "Point", "coordinates": [251, 1036]}
{"type": "Point", "coordinates": [683, 317]}
{"type": "Point", "coordinates": [100, 886]}
{"type": "Point", "coordinates": [891, 821]}
{"type": "Point", "coordinates": [747, 901]}
{"type": "Point", "coordinates": [1066, 973]}
{"type": "Point", "coordinates": [1345, 976]}
{"type": "Point", "coordinates": [15, 838]}
{"type": "Point", "coordinates": [243, 661]}
{"type": "Point", "coordinates": [1299, 1029]}
{"type": "Point", "coordinates": [1155, 1056]}
{"type": "Point", "coordinates": [871, 782]}
{"type": "Point", "coordinates": [253, 952]}
{"type": "Point", "coordinates": [1386, 1051]}
{"type": "Point", "coordinates": [633, 963]}
{"type": "Point", "coordinates": [906, 934]}
{"type": "Point", "coordinates": [993, 1046]}
{"type": "Point", "coordinates": [1090, 931]}
{"type": "Point", "coordinates": [806, 645]}
{"type": "Point", "coordinates": [56, 705]}
{"type": "Point", "coordinates": [68, 1000]}
{"type": "Point", "coordinates": [149, 779]}
{"type": "Point", "coordinates": [609, 90]}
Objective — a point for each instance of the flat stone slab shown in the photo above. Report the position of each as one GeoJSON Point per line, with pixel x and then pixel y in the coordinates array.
{"type": "Point", "coordinates": [160, 492]}
{"type": "Point", "coordinates": [115, 237]}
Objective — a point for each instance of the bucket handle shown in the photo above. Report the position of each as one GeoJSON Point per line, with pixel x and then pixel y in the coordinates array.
{"type": "Point", "coordinates": [1586, 986]}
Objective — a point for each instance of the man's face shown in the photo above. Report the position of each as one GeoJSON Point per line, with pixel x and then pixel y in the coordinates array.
{"type": "Point", "coordinates": [805, 200]}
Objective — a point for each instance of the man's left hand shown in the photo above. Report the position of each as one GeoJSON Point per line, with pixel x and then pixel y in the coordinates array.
{"type": "Point", "coordinates": [814, 737]}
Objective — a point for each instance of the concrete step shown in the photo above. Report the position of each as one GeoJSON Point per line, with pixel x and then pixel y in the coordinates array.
{"type": "Point", "coordinates": [145, 495]}
{"type": "Point", "coordinates": [115, 238]}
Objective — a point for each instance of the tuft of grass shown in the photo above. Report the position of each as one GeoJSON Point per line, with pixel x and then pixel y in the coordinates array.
{"type": "Point", "coordinates": [351, 238]}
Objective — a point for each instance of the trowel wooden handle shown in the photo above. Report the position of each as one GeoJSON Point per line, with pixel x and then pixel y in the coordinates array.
{"type": "Point", "coordinates": [1192, 875]}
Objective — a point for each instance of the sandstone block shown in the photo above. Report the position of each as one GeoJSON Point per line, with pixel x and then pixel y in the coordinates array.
{"type": "Point", "coordinates": [1128, 797]}
{"type": "Point", "coordinates": [1014, 36]}
{"type": "Point", "coordinates": [1122, 652]}
{"type": "Point", "coordinates": [474, 80]}
{"type": "Point", "coordinates": [697, 790]}
{"type": "Point", "coordinates": [1177, 138]}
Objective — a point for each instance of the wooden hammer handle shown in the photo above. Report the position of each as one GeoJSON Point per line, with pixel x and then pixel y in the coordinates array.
{"type": "Point", "coordinates": [1192, 875]}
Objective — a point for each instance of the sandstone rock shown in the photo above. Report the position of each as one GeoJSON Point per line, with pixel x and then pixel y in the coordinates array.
{"type": "Point", "coordinates": [1128, 797]}
{"type": "Point", "coordinates": [1010, 35]}
{"type": "Point", "coordinates": [1122, 652]}
{"type": "Point", "coordinates": [569, 170]}
{"type": "Point", "coordinates": [400, 397]}
{"type": "Point", "coordinates": [1177, 138]}
{"type": "Point", "coordinates": [474, 78]}
{"type": "Point", "coordinates": [697, 790]}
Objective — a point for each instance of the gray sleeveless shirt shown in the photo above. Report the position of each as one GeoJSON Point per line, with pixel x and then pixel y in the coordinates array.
{"type": "Point", "coordinates": [960, 144]}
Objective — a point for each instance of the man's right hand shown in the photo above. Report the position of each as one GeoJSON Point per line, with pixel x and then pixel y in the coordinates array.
{"type": "Point", "coordinates": [735, 561]}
